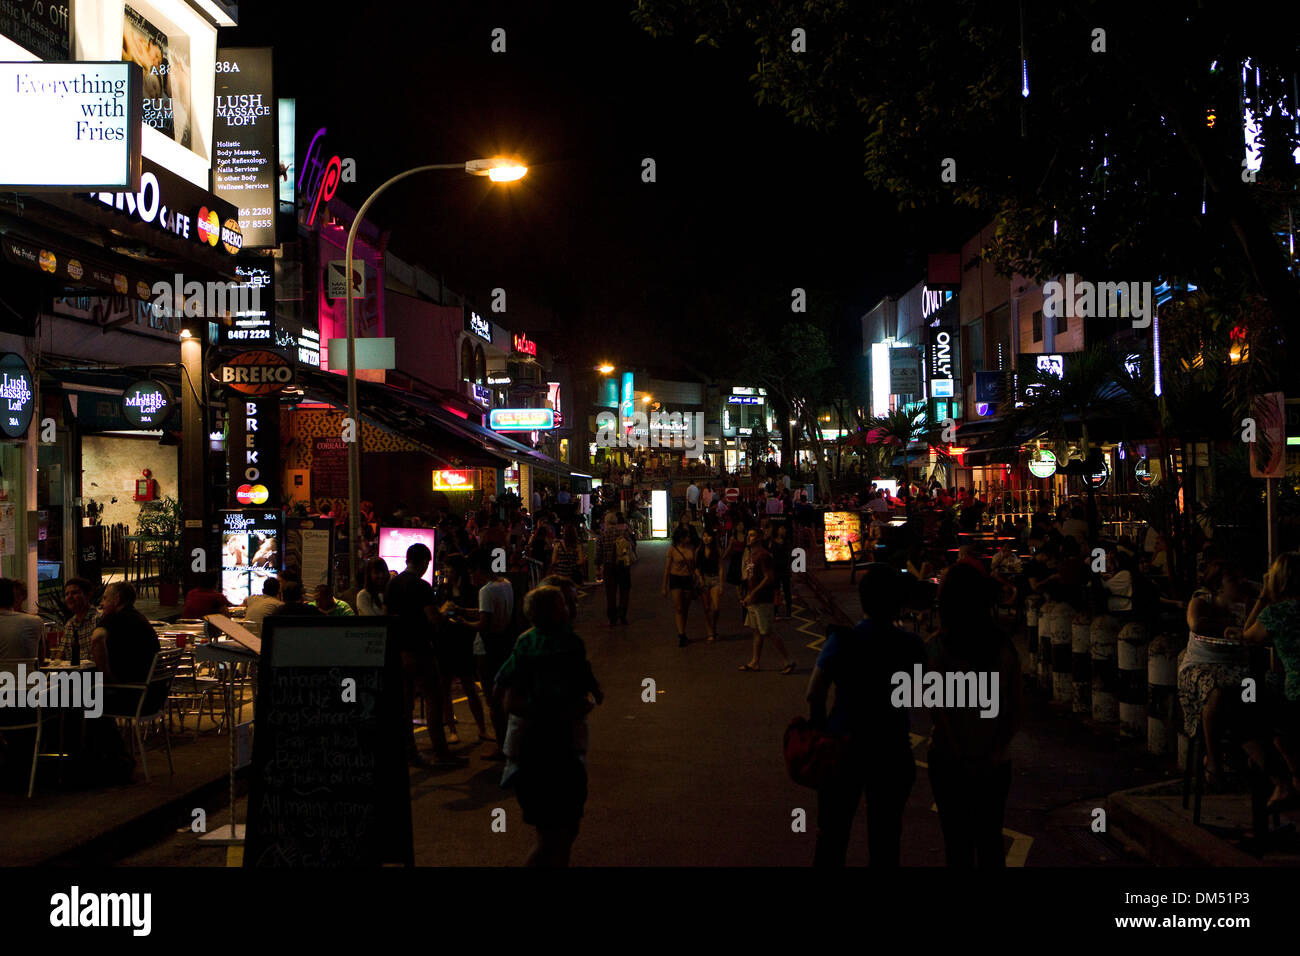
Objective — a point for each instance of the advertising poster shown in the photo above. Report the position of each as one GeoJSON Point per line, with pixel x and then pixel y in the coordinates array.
{"type": "Point", "coordinates": [308, 546]}
{"type": "Point", "coordinates": [841, 529]}
{"type": "Point", "coordinates": [250, 552]}
{"type": "Point", "coordinates": [393, 543]}
{"type": "Point", "coordinates": [165, 60]}
{"type": "Point", "coordinates": [245, 164]}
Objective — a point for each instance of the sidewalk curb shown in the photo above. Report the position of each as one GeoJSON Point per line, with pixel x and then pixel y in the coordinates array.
{"type": "Point", "coordinates": [1166, 835]}
{"type": "Point", "coordinates": [130, 835]}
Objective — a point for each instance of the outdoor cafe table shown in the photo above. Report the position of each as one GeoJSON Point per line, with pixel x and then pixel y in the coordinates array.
{"type": "Point", "coordinates": [58, 667]}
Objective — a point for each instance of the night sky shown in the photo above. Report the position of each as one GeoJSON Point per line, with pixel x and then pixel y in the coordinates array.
{"type": "Point", "coordinates": [746, 206]}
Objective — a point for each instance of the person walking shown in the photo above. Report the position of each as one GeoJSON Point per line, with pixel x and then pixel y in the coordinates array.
{"type": "Point", "coordinates": [493, 618]}
{"type": "Point", "coordinates": [615, 555]}
{"type": "Point", "coordinates": [708, 562]}
{"type": "Point", "coordinates": [692, 498]}
{"type": "Point", "coordinates": [758, 600]}
{"type": "Point", "coordinates": [878, 760]}
{"type": "Point", "coordinates": [453, 646]}
{"type": "Point", "coordinates": [566, 553]}
{"type": "Point", "coordinates": [679, 580]}
{"type": "Point", "coordinates": [970, 768]}
{"type": "Point", "coordinates": [546, 685]}
{"type": "Point", "coordinates": [411, 600]}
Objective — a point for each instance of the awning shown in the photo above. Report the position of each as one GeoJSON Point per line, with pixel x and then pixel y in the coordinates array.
{"type": "Point", "coordinates": [95, 395]}
{"type": "Point", "coordinates": [394, 411]}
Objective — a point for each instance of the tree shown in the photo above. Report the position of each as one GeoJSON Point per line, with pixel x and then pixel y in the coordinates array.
{"type": "Point", "coordinates": [894, 432]}
{"type": "Point", "coordinates": [794, 365]}
{"type": "Point", "coordinates": [1101, 169]}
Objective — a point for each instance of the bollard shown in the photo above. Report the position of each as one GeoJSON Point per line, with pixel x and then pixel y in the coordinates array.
{"type": "Point", "coordinates": [1059, 624]}
{"type": "Point", "coordinates": [1081, 664]}
{"type": "Point", "coordinates": [1162, 692]}
{"type": "Point", "coordinates": [1030, 664]}
{"type": "Point", "coordinates": [1132, 678]}
{"type": "Point", "coordinates": [1103, 640]}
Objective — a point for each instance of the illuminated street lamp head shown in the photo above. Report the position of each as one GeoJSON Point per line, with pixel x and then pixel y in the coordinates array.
{"type": "Point", "coordinates": [498, 170]}
{"type": "Point", "coordinates": [646, 399]}
{"type": "Point", "coordinates": [604, 369]}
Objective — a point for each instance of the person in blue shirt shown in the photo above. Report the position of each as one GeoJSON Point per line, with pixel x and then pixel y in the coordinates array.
{"type": "Point", "coordinates": [861, 663]}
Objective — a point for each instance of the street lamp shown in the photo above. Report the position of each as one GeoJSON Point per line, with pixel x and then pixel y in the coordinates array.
{"type": "Point", "coordinates": [498, 170]}
{"type": "Point", "coordinates": [604, 369]}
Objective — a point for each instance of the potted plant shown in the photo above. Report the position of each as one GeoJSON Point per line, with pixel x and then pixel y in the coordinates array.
{"type": "Point", "coordinates": [162, 520]}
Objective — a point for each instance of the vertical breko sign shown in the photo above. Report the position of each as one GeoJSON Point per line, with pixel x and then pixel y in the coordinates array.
{"type": "Point", "coordinates": [245, 167]}
{"type": "Point", "coordinates": [253, 447]}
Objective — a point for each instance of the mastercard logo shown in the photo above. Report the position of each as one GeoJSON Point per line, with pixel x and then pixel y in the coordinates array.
{"type": "Point", "coordinates": [209, 226]}
{"type": "Point", "coordinates": [252, 494]}
{"type": "Point", "coordinates": [74, 269]}
{"type": "Point", "coordinates": [48, 261]}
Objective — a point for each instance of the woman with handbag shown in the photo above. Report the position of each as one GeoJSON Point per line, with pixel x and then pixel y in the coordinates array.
{"type": "Point", "coordinates": [679, 578]}
{"type": "Point", "coordinates": [875, 752]}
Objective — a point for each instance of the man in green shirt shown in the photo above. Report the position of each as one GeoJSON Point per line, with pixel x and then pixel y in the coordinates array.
{"type": "Point", "coordinates": [331, 606]}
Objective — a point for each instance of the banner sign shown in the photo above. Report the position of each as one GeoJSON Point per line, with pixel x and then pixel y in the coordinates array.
{"type": "Point", "coordinates": [245, 166]}
{"type": "Point", "coordinates": [521, 419]}
{"type": "Point", "coordinates": [69, 126]}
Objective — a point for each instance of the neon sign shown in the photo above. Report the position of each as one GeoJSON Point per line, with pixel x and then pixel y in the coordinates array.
{"type": "Point", "coordinates": [524, 344]}
{"type": "Point", "coordinates": [521, 419]}
{"type": "Point", "coordinates": [324, 176]}
{"type": "Point", "coordinates": [455, 480]}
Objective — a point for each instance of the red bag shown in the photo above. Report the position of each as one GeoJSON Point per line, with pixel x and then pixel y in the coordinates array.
{"type": "Point", "coordinates": [813, 757]}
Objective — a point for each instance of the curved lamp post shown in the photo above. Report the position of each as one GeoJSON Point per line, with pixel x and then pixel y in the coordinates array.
{"type": "Point", "coordinates": [498, 170]}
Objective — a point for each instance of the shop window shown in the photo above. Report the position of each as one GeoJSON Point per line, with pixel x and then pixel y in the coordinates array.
{"type": "Point", "coordinates": [1038, 326]}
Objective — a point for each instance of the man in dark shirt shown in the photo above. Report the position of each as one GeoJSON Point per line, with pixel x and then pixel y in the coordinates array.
{"type": "Point", "coordinates": [124, 645]}
{"type": "Point", "coordinates": [414, 603]}
{"type": "Point", "coordinates": [294, 604]}
{"type": "Point", "coordinates": [204, 598]}
{"type": "Point", "coordinates": [861, 664]}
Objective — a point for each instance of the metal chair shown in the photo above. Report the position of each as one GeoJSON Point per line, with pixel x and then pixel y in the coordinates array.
{"type": "Point", "coordinates": [24, 718]}
{"type": "Point", "coordinates": [191, 691]}
{"type": "Point", "coordinates": [152, 703]}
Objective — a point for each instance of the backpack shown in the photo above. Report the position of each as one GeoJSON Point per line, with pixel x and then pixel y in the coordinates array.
{"type": "Point", "coordinates": [624, 551]}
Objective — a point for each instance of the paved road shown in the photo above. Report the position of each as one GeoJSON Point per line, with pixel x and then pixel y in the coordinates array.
{"type": "Point", "coordinates": [696, 778]}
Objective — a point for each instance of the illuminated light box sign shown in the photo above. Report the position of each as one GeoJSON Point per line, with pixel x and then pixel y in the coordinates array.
{"type": "Point", "coordinates": [463, 479]}
{"type": "Point", "coordinates": [176, 206]}
{"type": "Point", "coordinates": [842, 528]}
{"type": "Point", "coordinates": [1142, 472]}
{"type": "Point", "coordinates": [252, 326]}
{"type": "Point", "coordinates": [371, 353]}
{"type": "Point", "coordinates": [251, 542]}
{"type": "Point", "coordinates": [659, 513]}
{"type": "Point", "coordinates": [480, 393]}
{"type": "Point", "coordinates": [17, 402]}
{"type": "Point", "coordinates": [70, 126]}
{"type": "Point", "coordinates": [43, 28]}
{"type": "Point", "coordinates": [245, 162]}
{"type": "Point", "coordinates": [147, 404]}
{"type": "Point", "coordinates": [941, 360]}
{"type": "Point", "coordinates": [524, 345]}
{"type": "Point", "coordinates": [257, 372]}
{"type": "Point", "coordinates": [521, 419]}
{"type": "Point", "coordinates": [1042, 464]}
{"type": "Point", "coordinates": [393, 543]}
{"type": "Point", "coordinates": [1098, 480]}
{"type": "Point", "coordinates": [744, 400]}
{"type": "Point", "coordinates": [475, 324]}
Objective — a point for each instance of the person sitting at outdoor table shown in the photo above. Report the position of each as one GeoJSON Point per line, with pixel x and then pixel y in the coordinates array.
{"type": "Point", "coordinates": [1007, 571]}
{"type": "Point", "coordinates": [259, 605]}
{"type": "Point", "coordinates": [294, 604]}
{"type": "Point", "coordinates": [917, 566]}
{"type": "Point", "coordinates": [1067, 581]}
{"type": "Point", "coordinates": [1275, 619]}
{"type": "Point", "coordinates": [204, 598]}
{"type": "Point", "coordinates": [20, 634]}
{"type": "Point", "coordinates": [77, 629]}
{"type": "Point", "coordinates": [1211, 672]}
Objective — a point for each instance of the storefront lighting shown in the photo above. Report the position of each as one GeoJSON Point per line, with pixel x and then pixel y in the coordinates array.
{"type": "Point", "coordinates": [186, 334]}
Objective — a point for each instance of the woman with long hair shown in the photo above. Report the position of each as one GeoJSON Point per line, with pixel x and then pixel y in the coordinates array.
{"type": "Point", "coordinates": [970, 767]}
{"type": "Point", "coordinates": [708, 563]}
{"type": "Point", "coordinates": [370, 599]}
{"type": "Point", "coordinates": [679, 579]}
{"type": "Point", "coordinates": [566, 553]}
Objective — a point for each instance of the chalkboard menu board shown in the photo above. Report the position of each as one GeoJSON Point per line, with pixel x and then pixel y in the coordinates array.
{"type": "Point", "coordinates": [329, 785]}
{"type": "Point", "coordinates": [329, 468]}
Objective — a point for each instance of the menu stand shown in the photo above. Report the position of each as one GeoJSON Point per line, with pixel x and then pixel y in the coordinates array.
{"type": "Point", "coordinates": [246, 648]}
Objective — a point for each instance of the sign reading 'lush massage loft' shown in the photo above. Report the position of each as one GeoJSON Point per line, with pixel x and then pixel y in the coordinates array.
{"type": "Point", "coordinates": [70, 126]}
{"type": "Point", "coordinates": [147, 404]}
{"type": "Point", "coordinates": [17, 399]}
